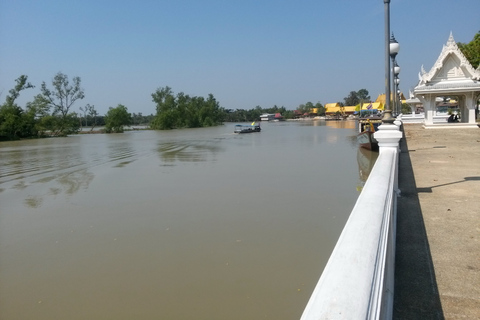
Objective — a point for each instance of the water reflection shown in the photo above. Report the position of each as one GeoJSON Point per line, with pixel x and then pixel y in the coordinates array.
{"type": "Point", "coordinates": [341, 124]}
{"type": "Point", "coordinates": [366, 160]}
{"type": "Point", "coordinates": [33, 202]}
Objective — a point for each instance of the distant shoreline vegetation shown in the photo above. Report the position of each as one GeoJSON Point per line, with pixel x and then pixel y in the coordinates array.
{"type": "Point", "coordinates": [183, 111]}
{"type": "Point", "coordinates": [51, 114]}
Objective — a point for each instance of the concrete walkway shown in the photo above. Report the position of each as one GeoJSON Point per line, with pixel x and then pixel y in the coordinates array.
{"type": "Point", "coordinates": [437, 273]}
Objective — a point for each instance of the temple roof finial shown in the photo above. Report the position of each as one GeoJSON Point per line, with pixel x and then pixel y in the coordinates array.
{"type": "Point", "coordinates": [450, 39]}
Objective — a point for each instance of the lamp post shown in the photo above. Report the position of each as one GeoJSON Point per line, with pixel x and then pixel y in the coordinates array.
{"type": "Point", "coordinates": [387, 115]}
{"type": "Point", "coordinates": [394, 97]}
{"type": "Point", "coordinates": [394, 47]}
{"type": "Point", "coordinates": [399, 98]}
{"type": "Point", "coordinates": [396, 81]}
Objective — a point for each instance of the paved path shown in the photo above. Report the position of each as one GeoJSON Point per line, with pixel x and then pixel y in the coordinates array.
{"type": "Point", "coordinates": [438, 233]}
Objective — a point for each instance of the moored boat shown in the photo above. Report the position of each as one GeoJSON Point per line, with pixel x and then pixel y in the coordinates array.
{"type": "Point", "coordinates": [239, 128]}
{"type": "Point", "coordinates": [267, 117]}
{"type": "Point", "coordinates": [365, 136]}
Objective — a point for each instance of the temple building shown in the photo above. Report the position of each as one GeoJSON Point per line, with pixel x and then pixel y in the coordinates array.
{"type": "Point", "coordinates": [451, 83]}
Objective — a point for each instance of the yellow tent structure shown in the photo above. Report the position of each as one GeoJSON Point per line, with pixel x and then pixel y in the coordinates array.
{"type": "Point", "coordinates": [332, 108]}
{"type": "Point", "coordinates": [349, 109]}
{"type": "Point", "coordinates": [381, 98]}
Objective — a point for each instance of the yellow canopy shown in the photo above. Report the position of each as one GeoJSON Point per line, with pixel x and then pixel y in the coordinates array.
{"type": "Point", "coordinates": [335, 107]}
{"type": "Point", "coordinates": [332, 108]}
{"type": "Point", "coordinates": [349, 109]}
{"type": "Point", "coordinates": [381, 97]}
{"type": "Point", "coordinates": [329, 105]}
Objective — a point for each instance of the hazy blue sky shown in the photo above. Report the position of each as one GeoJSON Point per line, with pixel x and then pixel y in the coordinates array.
{"type": "Point", "coordinates": [246, 53]}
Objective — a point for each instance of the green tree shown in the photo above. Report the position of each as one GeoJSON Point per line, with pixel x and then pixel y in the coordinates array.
{"type": "Point", "coordinates": [117, 118]}
{"type": "Point", "coordinates": [352, 99]}
{"type": "Point", "coordinates": [61, 98]}
{"type": "Point", "coordinates": [320, 109]}
{"type": "Point", "coordinates": [39, 109]}
{"type": "Point", "coordinates": [471, 50]}
{"type": "Point", "coordinates": [356, 97]}
{"type": "Point", "coordinates": [166, 109]}
{"type": "Point", "coordinates": [92, 114]}
{"type": "Point", "coordinates": [22, 84]}
{"type": "Point", "coordinates": [305, 108]}
{"type": "Point", "coordinates": [184, 111]}
{"type": "Point", "coordinates": [309, 106]}
{"type": "Point", "coordinates": [84, 112]}
{"type": "Point", "coordinates": [363, 95]}
{"type": "Point", "coordinates": [88, 112]}
{"type": "Point", "coordinates": [14, 122]}
{"type": "Point", "coordinates": [11, 121]}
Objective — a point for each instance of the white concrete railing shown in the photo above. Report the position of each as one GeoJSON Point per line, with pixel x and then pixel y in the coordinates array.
{"type": "Point", "coordinates": [357, 282]}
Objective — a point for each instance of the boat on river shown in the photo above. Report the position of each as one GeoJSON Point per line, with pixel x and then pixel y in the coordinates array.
{"type": "Point", "coordinates": [239, 128]}
{"type": "Point", "coordinates": [367, 128]}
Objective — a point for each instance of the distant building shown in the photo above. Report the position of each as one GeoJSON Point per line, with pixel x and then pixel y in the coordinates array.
{"type": "Point", "coordinates": [332, 109]}
{"type": "Point", "coordinates": [348, 110]}
{"type": "Point", "coordinates": [267, 116]}
{"type": "Point", "coordinates": [297, 114]}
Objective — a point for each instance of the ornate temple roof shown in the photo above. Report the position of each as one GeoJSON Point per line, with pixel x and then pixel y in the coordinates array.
{"type": "Point", "coordinates": [451, 73]}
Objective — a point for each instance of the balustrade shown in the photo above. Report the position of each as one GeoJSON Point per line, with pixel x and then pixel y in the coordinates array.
{"type": "Point", "coordinates": [357, 282]}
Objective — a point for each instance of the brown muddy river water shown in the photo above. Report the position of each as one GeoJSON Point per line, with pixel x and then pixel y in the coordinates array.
{"type": "Point", "coordinates": [183, 224]}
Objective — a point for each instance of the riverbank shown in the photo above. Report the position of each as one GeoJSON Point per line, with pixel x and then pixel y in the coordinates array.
{"type": "Point", "coordinates": [437, 272]}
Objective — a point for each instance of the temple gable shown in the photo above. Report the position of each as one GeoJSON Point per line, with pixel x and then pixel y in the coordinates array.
{"type": "Point", "coordinates": [451, 69]}
{"type": "Point", "coordinates": [450, 65]}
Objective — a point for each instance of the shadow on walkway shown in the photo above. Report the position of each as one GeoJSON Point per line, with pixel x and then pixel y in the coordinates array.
{"type": "Point", "coordinates": [416, 294]}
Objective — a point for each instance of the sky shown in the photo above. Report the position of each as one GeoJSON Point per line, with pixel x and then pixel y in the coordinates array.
{"type": "Point", "coordinates": [246, 53]}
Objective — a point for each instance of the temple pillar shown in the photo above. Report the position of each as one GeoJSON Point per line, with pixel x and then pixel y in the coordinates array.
{"type": "Point", "coordinates": [412, 107]}
{"type": "Point", "coordinates": [469, 110]}
{"type": "Point", "coordinates": [428, 102]}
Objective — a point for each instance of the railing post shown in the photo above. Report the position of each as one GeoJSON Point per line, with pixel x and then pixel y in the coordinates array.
{"type": "Point", "coordinates": [388, 137]}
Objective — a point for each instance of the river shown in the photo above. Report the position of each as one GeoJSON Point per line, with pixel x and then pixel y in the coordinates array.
{"type": "Point", "coordinates": [182, 224]}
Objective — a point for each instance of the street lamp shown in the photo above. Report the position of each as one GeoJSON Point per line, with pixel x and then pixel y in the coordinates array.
{"type": "Point", "coordinates": [396, 82]}
{"type": "Point", "coordinates": [387, 115]}
{"type": "Point", "coordinates": [399, 98]}
{"type": "Point", "coordinates": [396, 68]}
{"type": "Point", "coordinates": [394, 47]}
